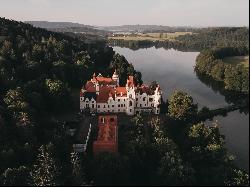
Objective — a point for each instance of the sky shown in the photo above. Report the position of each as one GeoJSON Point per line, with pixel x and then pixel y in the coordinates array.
{"type": "Point", "coordinates": [129, 12]}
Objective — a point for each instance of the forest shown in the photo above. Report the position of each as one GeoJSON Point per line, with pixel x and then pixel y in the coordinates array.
{"type": "Point", "coordinates": [38, 71]}
{"type": "Point", "coordinates": [197, 41]}
{"type": "Point", "coordinates": [235, 77]}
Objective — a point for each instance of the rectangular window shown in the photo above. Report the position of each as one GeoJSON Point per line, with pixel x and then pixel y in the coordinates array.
{"type": "Point", "coordinates": [118, 105]}
{"type": "Point", "coordinates": [144, 98]}
{"type": "Point", "coordinates": [93, 106]}
{"type": "Point", "coordinates": [150, 99]}
{"type": "Point", "coordinates": [130, 110]}
{"type": "Point", "coordinates": [98, 106]}
{"type": "Point", "coordinates": [118, 100]}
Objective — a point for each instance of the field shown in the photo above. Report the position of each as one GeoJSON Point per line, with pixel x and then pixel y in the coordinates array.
{"type": "Point", "coordinates": [150, 36]}
{"type": "Point", "coordinates": [237, 60]}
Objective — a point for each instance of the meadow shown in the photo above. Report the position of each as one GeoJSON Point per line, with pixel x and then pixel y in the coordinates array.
{"type": "Point", "coordinates": [151, 36]}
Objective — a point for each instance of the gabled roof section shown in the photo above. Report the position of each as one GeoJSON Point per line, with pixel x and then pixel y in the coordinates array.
{"type": "Point", "coordinates": [130, 81]}
{"type": "Point", "coordinates": [90, 95]}
{"type": "Point", "coordinates": [121, 92]}
{"type": "Point", "coordinates": [144, 89]}
{"type": "Point", "coordinates": [104, 94]}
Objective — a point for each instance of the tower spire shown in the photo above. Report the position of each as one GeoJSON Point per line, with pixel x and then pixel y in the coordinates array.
{"type": "Point", "coordinates": [115, 77]}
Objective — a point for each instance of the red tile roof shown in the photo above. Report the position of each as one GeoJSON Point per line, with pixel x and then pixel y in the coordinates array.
{"type": "Point", "coordinates": [130, 81]}
{"type": "Point", "coordinates": [89, 86]}
{"type": "Point", "coordinates": [104, 93]}
{"type": "Point", "coordinates": [121, 91]}
{"type": "Point", "coordinates": [104, 80]}
{"type": "Point", "coordinates": [144, 89]}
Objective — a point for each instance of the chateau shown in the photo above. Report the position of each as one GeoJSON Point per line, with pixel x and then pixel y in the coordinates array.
{"type": "Point", "coordinates": [105, 95]}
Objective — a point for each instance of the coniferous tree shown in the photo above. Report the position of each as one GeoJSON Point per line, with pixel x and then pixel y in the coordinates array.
{"type": "Point", "coordinates": [45, 172]}
{"type": "Point", "coordinates": [77, 169]}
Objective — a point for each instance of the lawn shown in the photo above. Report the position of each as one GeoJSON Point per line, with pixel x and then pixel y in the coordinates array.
{"type": "Point", "coordinates": [151, 36]}
{"type": "Point", "coordinates": [237, 60]}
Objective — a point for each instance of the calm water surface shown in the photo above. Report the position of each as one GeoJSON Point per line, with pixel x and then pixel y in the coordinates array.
{"type": "Point", "coordinates": [175, 70]}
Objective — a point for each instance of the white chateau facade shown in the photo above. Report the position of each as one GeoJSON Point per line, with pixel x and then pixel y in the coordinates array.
{"type": "Point", "coordinates": [104, 95]}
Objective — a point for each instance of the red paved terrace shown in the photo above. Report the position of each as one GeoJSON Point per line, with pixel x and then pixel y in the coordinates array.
{"type": "Point", "coordinates": [107, 140]}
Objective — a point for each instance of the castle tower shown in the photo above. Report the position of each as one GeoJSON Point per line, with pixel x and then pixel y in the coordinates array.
{"type": "Point", "coordinates": [115, 77]}
{"type": "Point", "coordinates": [130, 103]}
{"type": "Point", "coordinates": [94, 78]}
{"type": "Point", "coordinates": [157, 99]}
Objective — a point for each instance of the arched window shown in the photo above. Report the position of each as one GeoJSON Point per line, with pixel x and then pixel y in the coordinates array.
{"type": "Point", "coordinates": [103, 120]}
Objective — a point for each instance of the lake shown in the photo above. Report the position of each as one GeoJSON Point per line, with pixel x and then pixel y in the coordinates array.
{"type": "Point", "coordinates": [173, 70]}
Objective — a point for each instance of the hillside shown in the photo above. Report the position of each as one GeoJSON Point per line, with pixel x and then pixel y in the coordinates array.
{"type": "Point", "coordinates": [197, 40]}
{"type": "Point", "coordinates": [38, 71]}
{"type": "Point", "coordinates": [54, 25]}
{"type": "Point", "coordinates": [147, 28]}
{"type": "Point", "coordinates": [67, 27]}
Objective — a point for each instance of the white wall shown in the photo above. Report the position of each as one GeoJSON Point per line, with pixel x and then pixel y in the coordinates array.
{"type": "Point", "coordinates": [121, 104]}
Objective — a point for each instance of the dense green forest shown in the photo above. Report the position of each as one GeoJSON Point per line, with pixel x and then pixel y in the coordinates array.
{"type": "Point", "coordinates": [171, 149]}
{"type": "Point", "coordinates": [38, 71]}
{"type": "Point", "coordinates": [201, 39]}
{"type": "Point", "coordinates": [235, 77]}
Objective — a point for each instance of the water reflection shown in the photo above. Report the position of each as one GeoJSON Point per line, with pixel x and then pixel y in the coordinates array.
{"type": "Point", "coordinates": [231, 97]}
{"type": "Point", "coordinates": [174, 69]}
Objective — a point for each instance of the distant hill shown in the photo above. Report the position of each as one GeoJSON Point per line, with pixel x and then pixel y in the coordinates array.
{"type": "Point", "coordinates": [146, 28]}
{"type": "Point", "coordinates": [54, 25]}
{"type": "Point", "coordinates": [67, 27]}
{"type": "Point", "coordinates": [102, 30]}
